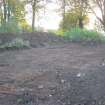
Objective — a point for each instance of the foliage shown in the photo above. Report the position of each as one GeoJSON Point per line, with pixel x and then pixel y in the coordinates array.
{"type": "Point", "coordinates": [59, 32]}
{"type": "Point", "coordinates": [11, 8]}
{"type": "Point", "coordinates": [17, 8]}
{"type": "Point", "coordinates": [16, 43]}
{"type": "Point", "coordinates": [36, 6]}
{"type": "Point", "coordinates": [11, 13]}
{"type": "Point", "coordinates": [83, 35]}
{"type": "Point", "coordinates": [25, 27]}
{"type": "Point", "coordinates": [74, 13]}
{"type": "Point", "coordinates": [99, 5]}
{"type": "Point", "coordinates": [10, 26]}
{"type": "Point", "coordinates": [71, 20]}
{"type": "Point", "coordinates": [98, 26]}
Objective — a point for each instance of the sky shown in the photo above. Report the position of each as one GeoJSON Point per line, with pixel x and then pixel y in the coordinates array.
{"type": "Point", "coordinates": [49, 19]}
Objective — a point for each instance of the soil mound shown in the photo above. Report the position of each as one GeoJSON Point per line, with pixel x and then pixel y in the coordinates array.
{"type": "Point", "coordinates": [36, 39]}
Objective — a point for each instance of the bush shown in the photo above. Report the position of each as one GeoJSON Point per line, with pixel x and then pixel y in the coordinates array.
{"type": "Point", "coordinates": [10, 26]}
{"type": "Point", "coordinates": [16, 43]}
{"type": "Point", "coordinates": [83, 35]}
{"type": "Point", "coordinates": [59, 32]}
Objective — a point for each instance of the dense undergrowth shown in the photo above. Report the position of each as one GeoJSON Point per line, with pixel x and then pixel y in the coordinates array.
{"type": "Point", "coordinates": [83, 35]}
{"type": "Point", "coordinates": [16, 43]}
{"type": "Point", "coordinates": [73, 35]}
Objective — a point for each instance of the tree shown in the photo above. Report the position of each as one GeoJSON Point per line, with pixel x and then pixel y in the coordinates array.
{"type": "Point", "coordinates": [81, 8]}
{"type": "Point", "coordinates": [75, 12]}
{"type": "Point", "coordinates": [99, 4]}
{"type": "Point", "coordinates": [12, 8]}
{"type": "Point", "coordinates": [63, 12]}
{"type": "Point", "coordinates": [36, 6]}
{"type": "Point", "coordinates": [71, 20]}
{"type": "Point", "coordinates": [11, 13]}
{"type": "Point", "coordinates": [62, 9]}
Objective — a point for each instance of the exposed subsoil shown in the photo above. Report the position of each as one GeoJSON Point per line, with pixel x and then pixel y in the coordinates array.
{"type": "Point", "coordinates": [68, 74]}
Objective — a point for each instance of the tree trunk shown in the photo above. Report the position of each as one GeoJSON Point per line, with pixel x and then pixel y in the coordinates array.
{"type": "Point", "coordinates": [8, 10]}
{"type": "Point", "coordinates": [104, 27]}
{"type": "Point", "coordinates": [81, 23]}
{"type": "Point", "coordinates": [64, 13]}
{"type": "Point", "coordinates": [1, 17]}
{"type": "Point", "coordinates": [5, 11]}
{"type": "Point", "coordinates": [34, 14]}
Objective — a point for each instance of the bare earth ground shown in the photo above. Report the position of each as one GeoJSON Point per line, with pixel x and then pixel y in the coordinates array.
{"type": "Point", "coordinates": [70, 74]}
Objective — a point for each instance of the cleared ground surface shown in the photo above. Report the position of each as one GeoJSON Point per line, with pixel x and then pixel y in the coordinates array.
{"type": "Point", "coordinates": [70, 74]}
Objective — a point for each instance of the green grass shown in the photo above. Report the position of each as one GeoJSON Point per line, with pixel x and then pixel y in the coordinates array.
{"type": "Point", "coordinates": [83, 35]}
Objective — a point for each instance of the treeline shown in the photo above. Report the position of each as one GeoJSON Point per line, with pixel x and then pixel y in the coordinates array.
{"type": "Point", "coordinates": [13, 13]}
{"type": "Point", "coordinates": [74, 13]}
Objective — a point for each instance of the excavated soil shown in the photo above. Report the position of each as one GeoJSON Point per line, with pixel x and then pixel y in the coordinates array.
{"type": "Point", "coordinates": [68, 74]}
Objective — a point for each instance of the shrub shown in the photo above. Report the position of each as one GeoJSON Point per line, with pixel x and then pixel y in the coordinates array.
{"type": "Point", "coordinates": [10, 26]}
{"type": "Point", "coordinates": [16, 43]}
{"type": "Point", "coordinates": [83, 35]}
{"type": "Point", "coordinates": [59, 32]}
